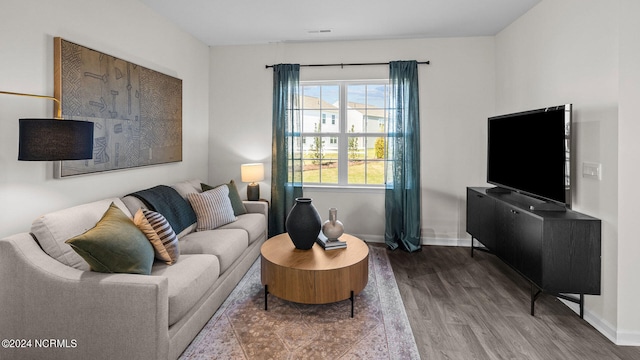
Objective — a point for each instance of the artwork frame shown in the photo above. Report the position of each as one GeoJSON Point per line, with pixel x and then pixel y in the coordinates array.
{"type": "Point", "coordinates": [137, 111]}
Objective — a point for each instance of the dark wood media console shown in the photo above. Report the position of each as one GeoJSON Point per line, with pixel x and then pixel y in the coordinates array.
{"type": "Point", "coordinates": [558, 252]}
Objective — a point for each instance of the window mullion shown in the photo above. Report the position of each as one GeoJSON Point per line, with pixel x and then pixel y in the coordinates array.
{"type": "Point", "coordinates": [343, 154]}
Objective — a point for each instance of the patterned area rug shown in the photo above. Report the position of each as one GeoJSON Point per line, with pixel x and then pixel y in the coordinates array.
{"type": "Point", "coordinates": [242, 329]}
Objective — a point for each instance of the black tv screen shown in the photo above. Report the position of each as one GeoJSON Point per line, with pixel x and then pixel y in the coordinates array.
{"type": "Point", "coordinates": [529, 152]}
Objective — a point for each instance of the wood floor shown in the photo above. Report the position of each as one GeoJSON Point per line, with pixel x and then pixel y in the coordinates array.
{"type": "Point", "coordinates": [461, 307]}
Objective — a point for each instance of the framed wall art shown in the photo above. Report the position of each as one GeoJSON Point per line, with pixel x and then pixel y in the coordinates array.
{"type": "Point", "coordinates": [137, 112]}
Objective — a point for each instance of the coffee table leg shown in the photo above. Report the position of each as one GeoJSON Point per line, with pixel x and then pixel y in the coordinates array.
{"type": "Point", "coordinates": [352, 300]}
{"type": "Point", "coordinates": [266, 292]}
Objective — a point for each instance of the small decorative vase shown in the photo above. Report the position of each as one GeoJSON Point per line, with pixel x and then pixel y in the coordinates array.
{"type": "Point", "coordinates": [303, 224]}
{"type": "Point", "coordinates": [333, 228]}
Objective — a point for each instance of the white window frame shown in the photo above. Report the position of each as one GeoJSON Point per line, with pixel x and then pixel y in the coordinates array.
{"type": "Point", "coordinates": [343, 136]}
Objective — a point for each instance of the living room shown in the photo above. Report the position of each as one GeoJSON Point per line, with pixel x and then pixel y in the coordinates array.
{"type": "Point", "coordinates": [565, 51]}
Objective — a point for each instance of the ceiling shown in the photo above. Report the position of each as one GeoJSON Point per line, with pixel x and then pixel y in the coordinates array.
{"type": "Point", "coordinates": [236, 22]}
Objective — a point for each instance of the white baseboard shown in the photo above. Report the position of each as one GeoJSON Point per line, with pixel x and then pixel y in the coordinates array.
{"type": "Point", "coordinates": [628, 338]}
{"type": "Point", "coordinates": [446, 242]}
{"type": "Point", "coordinates": [610, 332]}
{"type": "Point", "coordinates": [370, 238]}
{"type": "Point", "coordinates": [606, 329]}
{"type": "Point", "coordinates": [425, 241]}
{"type": "Point", "coordinates": [602, 326]}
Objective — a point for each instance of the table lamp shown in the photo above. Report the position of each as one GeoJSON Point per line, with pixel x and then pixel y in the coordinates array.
{"type": "Point", "coordinates": [252, 173]}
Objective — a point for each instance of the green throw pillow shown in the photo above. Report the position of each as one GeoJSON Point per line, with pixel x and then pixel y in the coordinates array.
{"type": "Point", "coordinates": [115, 245]}
{"type": "Point", "coordinates": [234, 196]}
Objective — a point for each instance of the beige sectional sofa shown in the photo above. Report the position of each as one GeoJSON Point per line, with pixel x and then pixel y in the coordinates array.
{"type": "Point", "coordinates": [53, 307]}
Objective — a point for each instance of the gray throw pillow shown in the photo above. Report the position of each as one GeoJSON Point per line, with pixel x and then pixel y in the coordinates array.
{"type": "Point", "coordinates": [213, 208]}
{"type": "Point", "coordinates": [234, 196]}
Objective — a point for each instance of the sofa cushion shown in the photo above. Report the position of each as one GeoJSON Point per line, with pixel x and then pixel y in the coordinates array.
{"type": "Point", "coordinates": [189, 280]}
{"type": "Point", "coordinates": [226, 244]}
{"type": "Point", "coordinates": [53, 229]}
{"type": "Point", "coordinates": [234, 196]}
{"type": "Point", "coordinates": [254, 224]}
{"type": "Point", "coordinates": [188, 187]}
{"type": "Point", "coordinates": [213, 208]}
{"type": "Point", "coordinates": [159, 232]}
{"type": "Point", "coordinates": [115, 245]}
{"type": "Point", "coordinates": [133, 203]}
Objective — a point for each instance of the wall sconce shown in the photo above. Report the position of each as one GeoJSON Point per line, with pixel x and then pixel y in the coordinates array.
{"type": "Point", "coordinates": [252, 173]}
{"type": "Point", "coordinates": [53, 139]}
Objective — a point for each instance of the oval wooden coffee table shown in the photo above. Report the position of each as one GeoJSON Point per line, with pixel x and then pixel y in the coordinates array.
{"type": "Point", "coordinates": [314, 276]}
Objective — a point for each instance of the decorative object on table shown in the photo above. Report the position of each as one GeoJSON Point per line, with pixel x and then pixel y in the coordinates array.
{"type": "Point", "coordinates": [303, 223]}
{"type": "Point", "coordinates": [333, 227]}
{"type": "Point", "coordinates": [137, 112]}
{"type": "Point", "coordinates": [329, 244]}
{"type": "Point", "coordinates": [252, 173]}
{"type": "Point", "coordinates": [53, 139]}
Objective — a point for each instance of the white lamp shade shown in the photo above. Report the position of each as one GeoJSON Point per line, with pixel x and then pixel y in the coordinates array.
{"type": "Point", "coordinates": [252, 172]}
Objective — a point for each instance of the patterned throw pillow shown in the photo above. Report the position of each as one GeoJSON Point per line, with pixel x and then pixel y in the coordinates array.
{"type": "Point", "coordinates": [114, 245]}
{"type": "Point", "coordinates": [234, 196]}
{"type": "Point", "coordinates": [213, 208]}
{"type": "Point", "coordinates": [157, 229]}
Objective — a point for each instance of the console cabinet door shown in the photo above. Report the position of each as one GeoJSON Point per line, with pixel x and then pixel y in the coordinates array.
{"type": "Point", "coordinates": [519, 241]}
{"type": "Point", "coordinates": [505, 247]}
{"type": "Point", "coordinates": [529, 234]}
{"type": "Point", "coordinates": [480, 218]}
{"type": "Point", "coordinates": [572, 256]}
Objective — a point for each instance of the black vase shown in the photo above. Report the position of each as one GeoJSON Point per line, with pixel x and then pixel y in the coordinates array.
{"type": "Point", "coordinates": [303, 224]}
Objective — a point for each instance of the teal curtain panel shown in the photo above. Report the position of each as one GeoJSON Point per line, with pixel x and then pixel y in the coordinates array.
{"type": "Point", "coordinates": [402, 193]}
{"type": "Point", "coordinates": [286, 166]}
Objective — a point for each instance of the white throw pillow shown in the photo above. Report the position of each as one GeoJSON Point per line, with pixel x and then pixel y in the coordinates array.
{"type": "Point", "coordinates": [213, 208]}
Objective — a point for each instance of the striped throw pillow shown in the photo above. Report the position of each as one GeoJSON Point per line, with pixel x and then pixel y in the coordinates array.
{"type": "Point", "coordinates": [157, 229]}
{"type": "Point", "coordinates": [213, 208]}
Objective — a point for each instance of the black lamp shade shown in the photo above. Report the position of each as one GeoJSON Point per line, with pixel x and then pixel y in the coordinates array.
{"type": "Point", "coordinates": [53, 139]}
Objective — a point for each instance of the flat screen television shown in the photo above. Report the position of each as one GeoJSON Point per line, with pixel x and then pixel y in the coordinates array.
{"type": "Point", "coordinates": [530, 152]}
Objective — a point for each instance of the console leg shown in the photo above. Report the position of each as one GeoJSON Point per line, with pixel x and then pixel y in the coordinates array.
{"type": "Point", "coordinates": [472, 246]}
{"type": "Point", "coordinates": [266, 292]}
{"type": "Point", "coordinates": [352, 300]}
{"type": "Point", "coordinates": [533, 301]}
{"type": "Point", "coordinates": [534, 296]}
{"type": "Point", "coordinates": [581, 306]}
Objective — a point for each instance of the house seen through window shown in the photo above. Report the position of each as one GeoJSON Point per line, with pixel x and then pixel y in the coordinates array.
{"type": "Point", "coordinates": [349, 149]}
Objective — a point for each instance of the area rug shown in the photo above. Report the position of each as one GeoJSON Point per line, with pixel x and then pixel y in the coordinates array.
{"type": "Point", "coordinates": [242, 329]}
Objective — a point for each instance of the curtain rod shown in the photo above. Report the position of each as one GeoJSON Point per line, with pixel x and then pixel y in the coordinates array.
{"type": "Point", "coordinates": [343, 65]}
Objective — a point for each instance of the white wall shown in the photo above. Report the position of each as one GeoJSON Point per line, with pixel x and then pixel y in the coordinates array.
{"type": "Point", "coordinates": [122, 28]}
{"type": "Point", "coordinates": [629, 175]}
{"type": "Point", "coordinates": [570, 51]}
{"type": "Point", "coordinates": [456, 97]}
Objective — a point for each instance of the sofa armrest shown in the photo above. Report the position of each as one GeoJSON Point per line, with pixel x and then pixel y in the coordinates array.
{"type": "Point", "coordinates": [89, 314]}
{"type": "Point", "coordinates": [260, 207]}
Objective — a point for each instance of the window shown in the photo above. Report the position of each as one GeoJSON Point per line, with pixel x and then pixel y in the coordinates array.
{"type": "Point", "coordinates": [349, 150]}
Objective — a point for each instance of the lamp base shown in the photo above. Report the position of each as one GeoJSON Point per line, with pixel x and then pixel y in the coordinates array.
{"type": "Point", "coordinates": [253, 192]}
